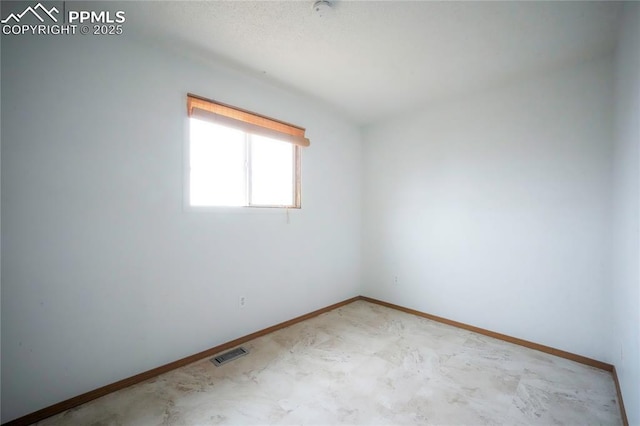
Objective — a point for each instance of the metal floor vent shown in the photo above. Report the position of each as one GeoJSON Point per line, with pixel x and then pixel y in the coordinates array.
{"type": "Point", "coordinates": [229, 356]}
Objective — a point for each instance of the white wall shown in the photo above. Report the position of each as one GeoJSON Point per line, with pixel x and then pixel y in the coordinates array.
{"type": "Point", "coordinates": [104, 274]}
{"type": "Point", "coordinates": [626, 201]}
{"type": "Point", "coordinates": [494, 209]}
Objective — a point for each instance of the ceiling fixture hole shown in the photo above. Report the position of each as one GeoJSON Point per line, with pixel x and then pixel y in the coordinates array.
{"type": "Point", "coordinates": [322, 8]}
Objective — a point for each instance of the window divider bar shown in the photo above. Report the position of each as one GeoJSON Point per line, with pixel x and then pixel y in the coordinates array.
{"type": "Point", "coordinates": [248, 171]}
{"type": "Point", "coordinates": [297, 199]}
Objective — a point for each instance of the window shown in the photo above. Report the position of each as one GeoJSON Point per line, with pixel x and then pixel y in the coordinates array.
{"type": "Point", "coordinates": [238, 158]}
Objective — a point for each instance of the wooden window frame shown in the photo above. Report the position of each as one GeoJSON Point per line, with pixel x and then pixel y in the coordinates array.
{"type": "Point", "coordinates": [251, 124]}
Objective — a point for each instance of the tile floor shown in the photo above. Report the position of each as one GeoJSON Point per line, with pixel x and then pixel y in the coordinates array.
{"type": "Point", "coordinates": [366, 364]}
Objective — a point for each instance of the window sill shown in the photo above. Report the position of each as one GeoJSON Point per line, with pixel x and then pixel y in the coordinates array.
{"type": "Point", "coordinates": [240, 209]}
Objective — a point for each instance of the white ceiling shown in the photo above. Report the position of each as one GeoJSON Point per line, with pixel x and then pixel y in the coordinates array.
{"type": "Point", "coordinates": [377, 58]}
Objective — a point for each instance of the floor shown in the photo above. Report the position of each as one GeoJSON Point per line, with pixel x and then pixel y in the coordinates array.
{"type": "Point", "coordinates": [366, 364]}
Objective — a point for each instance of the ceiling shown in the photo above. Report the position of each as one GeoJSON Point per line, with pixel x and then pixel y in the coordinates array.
{"type": "Point", "coordinates": [372, 59]}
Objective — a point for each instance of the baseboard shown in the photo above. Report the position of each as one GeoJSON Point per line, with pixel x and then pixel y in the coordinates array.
{"type": "Point", "coordinates": [138, 378]}
{"type": "Point", "coordinates": [542, 348]}
{"type": "Point", "coordinates": [531, 345]}
{"type": "Point", "coordinates": [54, 409]}
{"type": "Point", "coordinates": [625, 420]}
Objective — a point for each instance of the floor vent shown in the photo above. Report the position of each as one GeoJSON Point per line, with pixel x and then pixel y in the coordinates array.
{"type": "Point", "coordinates": [229, 356]}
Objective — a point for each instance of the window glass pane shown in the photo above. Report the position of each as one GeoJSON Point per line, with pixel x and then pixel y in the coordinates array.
{"type": "Point", "coordinates": [271, 172]}
{"type": "Point", "coordinates": [217, 160]}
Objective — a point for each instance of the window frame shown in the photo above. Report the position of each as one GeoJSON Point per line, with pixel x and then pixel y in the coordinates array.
{"type": "Point", "coordinates": [296, 165]}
